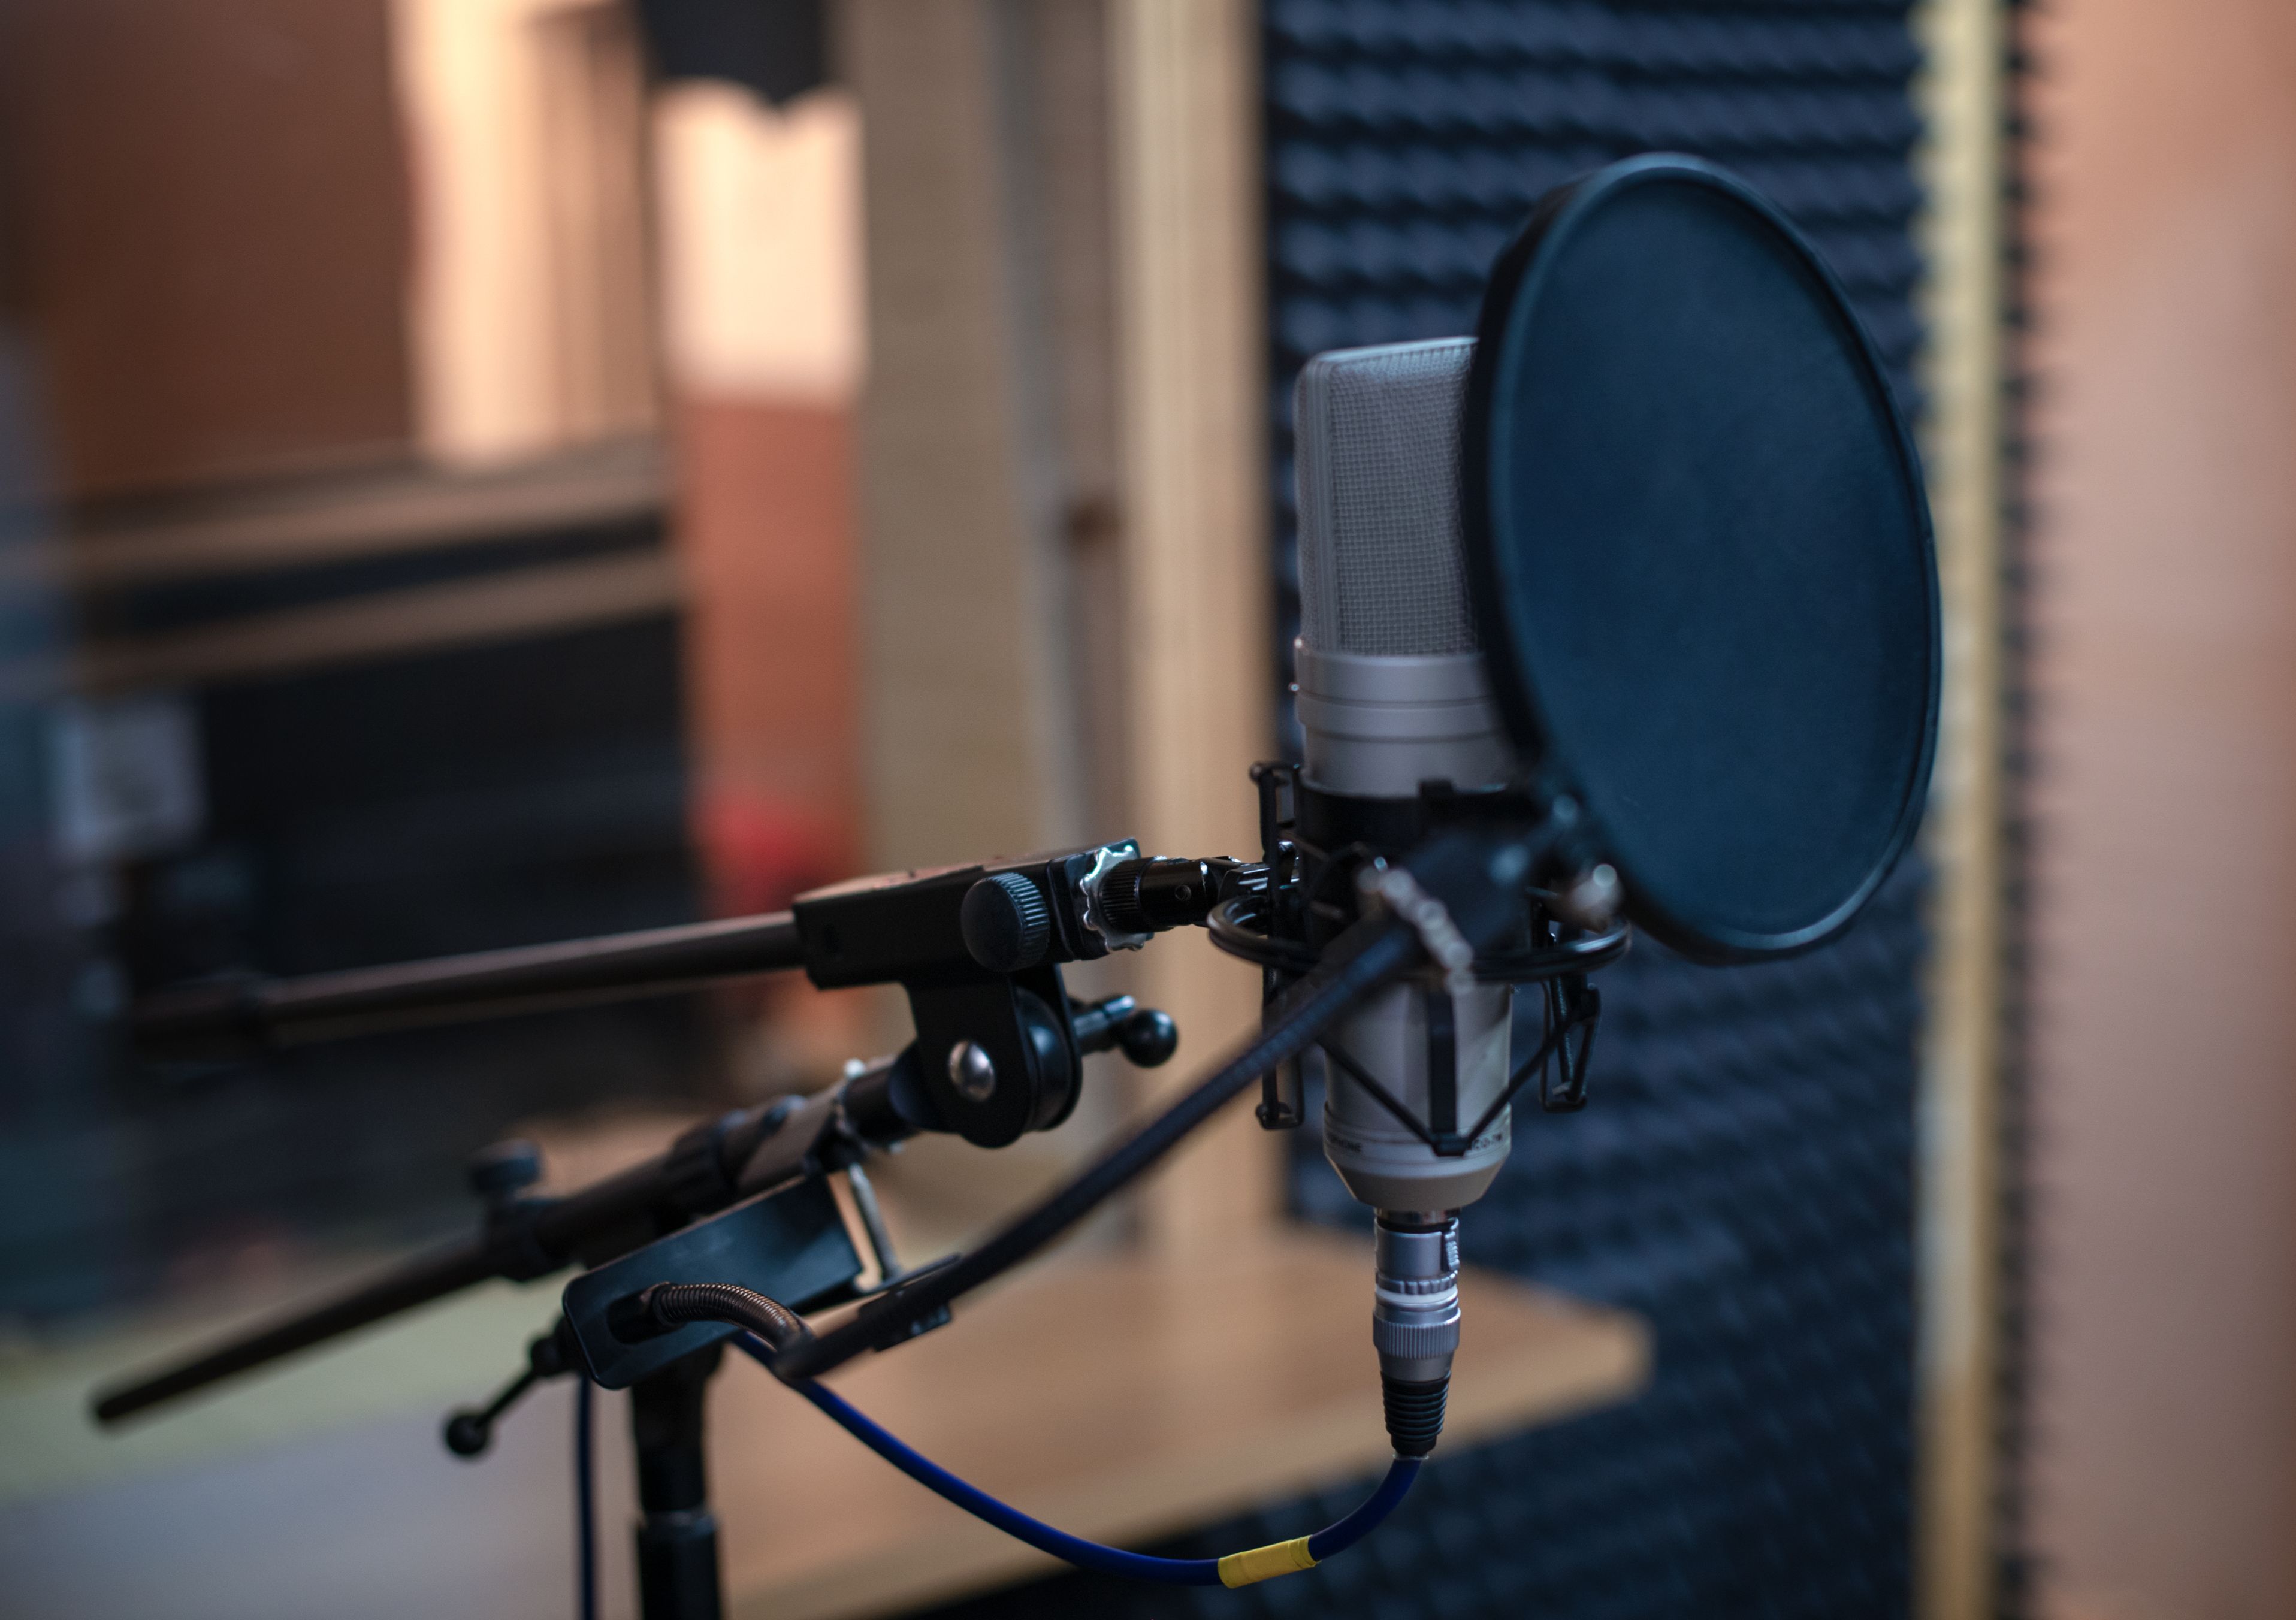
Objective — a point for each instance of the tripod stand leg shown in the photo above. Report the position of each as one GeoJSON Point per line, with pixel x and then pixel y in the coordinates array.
{"type": "Point", "coordinates": [676, 1533]}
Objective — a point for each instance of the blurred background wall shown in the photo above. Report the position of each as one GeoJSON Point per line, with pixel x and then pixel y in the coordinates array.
{"type": "Point", "coordinates": [337, 415]}
{"type": "Point", "coordinates": [2163, 804]}
{"type": "Point", "coordinates": [482, 470]}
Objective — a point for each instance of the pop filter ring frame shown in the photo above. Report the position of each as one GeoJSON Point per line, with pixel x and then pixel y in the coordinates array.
{"type": "Point", "coordinates": [1515, 273]}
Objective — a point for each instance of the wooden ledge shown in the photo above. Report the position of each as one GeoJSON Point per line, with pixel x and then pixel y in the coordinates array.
{"type": "Point", "coordinates": [1120, 1399]}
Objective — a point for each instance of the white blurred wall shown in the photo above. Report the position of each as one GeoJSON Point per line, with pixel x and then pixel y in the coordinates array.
{"type": "Point", "coordinates": [528, 303]}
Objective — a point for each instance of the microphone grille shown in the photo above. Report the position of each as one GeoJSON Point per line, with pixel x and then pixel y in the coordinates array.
{"type": "Point", "coordinates": [1380, 570]}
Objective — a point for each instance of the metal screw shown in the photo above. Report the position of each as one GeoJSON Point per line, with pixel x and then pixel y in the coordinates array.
{"type": "Point", "coordinates": [972, 1071]}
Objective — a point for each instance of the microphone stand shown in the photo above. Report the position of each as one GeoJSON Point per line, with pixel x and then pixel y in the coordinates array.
{"type": "Point", "coordinates": [744, 1200]}
{"type": "Point", "coordinates": [779, 1153]}
{"type": "Point", "coordinates": [983, 978]}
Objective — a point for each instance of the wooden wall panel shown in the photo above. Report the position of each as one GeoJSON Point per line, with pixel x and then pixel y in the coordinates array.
{"type": "Point", "coordinates": [1962, 97]}
{"type": "Point", "coordinates": [206, 228]}
{"type": "Point", "coordinates": [961, 751]}
{"type": "Point", "coordinates": [1193, 381]}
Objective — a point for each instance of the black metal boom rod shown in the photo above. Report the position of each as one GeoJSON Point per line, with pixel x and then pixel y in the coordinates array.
{"type": "Point", "coordinates": [707, 1168]}
{"type": "Point", "coordinates": [557, 1231]}
{"type": "Point", "coordinates": [712, 1166]}
{"type": "Point", "coordinates": [442, 1272]}
{"type": "Point", "coordinates": [925, 929]}
{"type": "Point", "coordinates": [231, 1016]}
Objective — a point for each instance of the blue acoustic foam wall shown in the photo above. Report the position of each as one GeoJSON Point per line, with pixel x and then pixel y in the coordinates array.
{"type": "Point", "coordinates": [1743, 1176]}
{"type": "Point", "coordinates": [1406, 141]}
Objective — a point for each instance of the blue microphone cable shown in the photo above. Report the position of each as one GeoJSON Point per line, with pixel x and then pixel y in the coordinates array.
{"type": "Point", "coordinates": [1236, 1569]}
{"type": "Point", "coordinates": [672, 1304]}
{"type": "Point", "coordinates": [585, 1513]}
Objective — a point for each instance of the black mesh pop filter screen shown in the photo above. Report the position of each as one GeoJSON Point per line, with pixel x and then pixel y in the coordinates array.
{"type": "Point", "coordinates": [1705, 578]}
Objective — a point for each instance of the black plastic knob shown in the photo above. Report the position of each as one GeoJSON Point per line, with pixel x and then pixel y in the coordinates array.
{"type": "Point", "coordinates": [1006, 923]}
{"type": "Point", "coordinates": [469, 1434]}
{"type": "Point", "coordinates": [1149, 1037]}
{"type": "Point", "coordinates": [503, 1170]}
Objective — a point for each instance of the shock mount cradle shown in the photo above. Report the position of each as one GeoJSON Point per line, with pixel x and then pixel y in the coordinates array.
{"type": "Point", "coordinates": [1284, 911]}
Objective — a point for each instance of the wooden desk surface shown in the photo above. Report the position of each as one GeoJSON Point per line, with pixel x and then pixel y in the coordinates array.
{"type": "Point", "coordinates": [1120, 1400]}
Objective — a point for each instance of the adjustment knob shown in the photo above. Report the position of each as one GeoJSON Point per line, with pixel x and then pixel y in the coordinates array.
{"type": "Point", "coordinates": [1149, 1037]}
{"type": "Point", "coordinates": [469, 1434]}
{"type": "Point", "coordinates": [500, 1171]}
{"type": "Point", "coordinates": [1006, 922]}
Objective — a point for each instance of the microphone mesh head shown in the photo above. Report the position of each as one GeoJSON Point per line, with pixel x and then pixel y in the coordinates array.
{"type": "Point", "coordinates": [1380, 570]}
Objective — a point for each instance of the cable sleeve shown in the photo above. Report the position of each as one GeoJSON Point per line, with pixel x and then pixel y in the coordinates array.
{"type": "Point", "coordinates": [1266, 1563]}
{"type": "Point", "coordinates": [1365, 957]}
{"type": "Point", "coordinates": [674, 1303]}
{"type": "Point", "coordinates": [1075, 1548]}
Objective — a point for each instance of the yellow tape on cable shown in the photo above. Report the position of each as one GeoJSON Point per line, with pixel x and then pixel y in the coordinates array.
{"type": "Point", "coordinates": [1266, 1563]}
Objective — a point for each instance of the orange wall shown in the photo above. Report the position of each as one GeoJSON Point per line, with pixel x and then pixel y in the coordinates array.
{"type": "Point", "coordinates": [2164, 1473]}
{"type": "Point", "coordinates": [203, 216]}
{"type": "Point", "coordinates": [766, 537]}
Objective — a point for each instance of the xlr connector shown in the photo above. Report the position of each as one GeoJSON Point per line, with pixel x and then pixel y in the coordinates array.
{"type": "Point", "coordinates": [1414, 1323]}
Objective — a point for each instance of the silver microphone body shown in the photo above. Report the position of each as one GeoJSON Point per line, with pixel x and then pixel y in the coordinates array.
{"type": "Point", "coordinates": [1392, 694]}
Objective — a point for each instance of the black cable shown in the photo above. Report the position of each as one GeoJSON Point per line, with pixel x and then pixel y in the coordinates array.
{"type": "Point", "coordinates": [1368, 955]}
{"type": "Point", "coordinates": [585, 1504]}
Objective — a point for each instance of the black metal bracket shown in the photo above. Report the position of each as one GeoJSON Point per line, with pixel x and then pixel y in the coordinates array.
{"type": "Point", "coordinates": [1574, 1008]}
{"type": "Point", "coordinates": [1284, 1088]}
{"type": "Point", "coordinates": [1019, 1024]}
{"type": "Point", "coordinates": [791, 1246]}
{"type": "Point", "coordinates": [907, 928]}
{"type": "Point", "coordinates": [890, 1309]}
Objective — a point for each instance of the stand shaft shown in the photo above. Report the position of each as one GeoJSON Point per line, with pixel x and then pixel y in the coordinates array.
{"type": "Point", "coordinates": [676, 1532]}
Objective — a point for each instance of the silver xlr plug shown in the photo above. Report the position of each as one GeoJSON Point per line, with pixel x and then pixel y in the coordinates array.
{"type": "Point", "coordinates": [1415, 1322]}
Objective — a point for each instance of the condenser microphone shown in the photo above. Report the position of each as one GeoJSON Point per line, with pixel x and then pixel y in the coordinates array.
{"type": "Point", "coordinates": [1646, 564]}
{"type": "Point", "coordinates": [1394, 699]}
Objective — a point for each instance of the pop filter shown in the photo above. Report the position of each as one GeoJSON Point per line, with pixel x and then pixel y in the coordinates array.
{"type": "Point", "coordinates": [1701, 557]}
